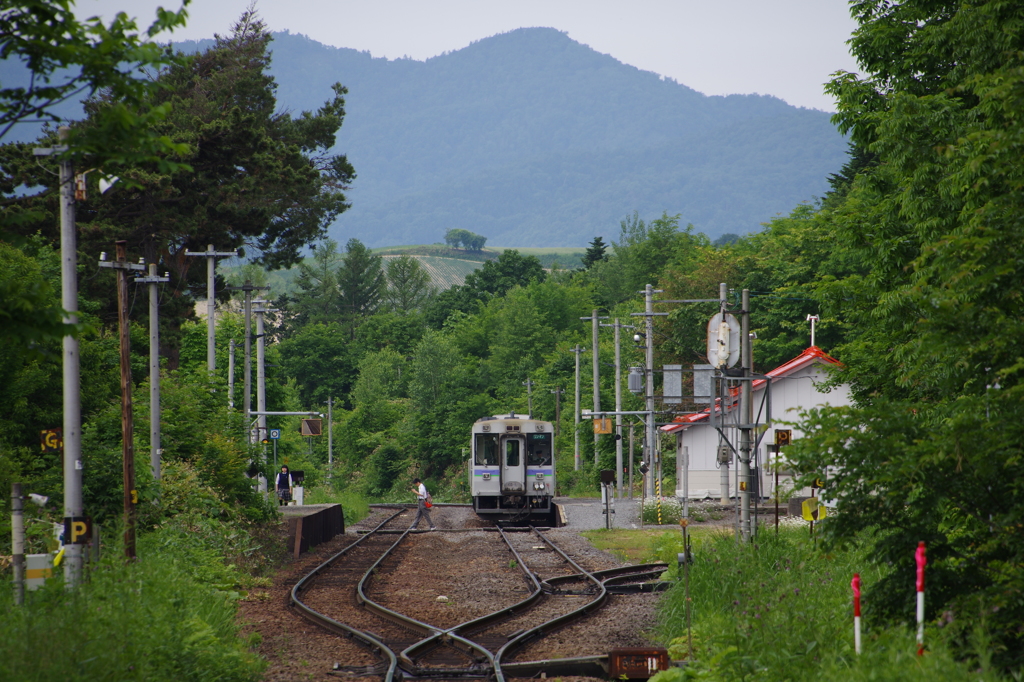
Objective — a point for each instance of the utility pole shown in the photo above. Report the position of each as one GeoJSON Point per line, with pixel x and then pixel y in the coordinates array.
{"type": "Point", "coordinates": [650, 455]}
{"type": "Point", "coordinates": [248, 288]}
{"type": "Point", "coordinates": [723, 462]}
{"type": "Point", "coordinates": [529, 396]}
{"type": "Point", "coordinates": [261, 371]}
{"type": "Point", "coordinates": [631, 461]}
{"type": "Point", "coordinates": [558, 411]}
{"type": "Point", "coordinates": [155, 451]}
{"type": "Point", "coordinates": [231, 374]}
{"type": "Point", "coordinates": [211, 300]}
{"type": "Point", "coordinates": [576, 430]}
{"type": "Point", "coordinates": [261, 377]}
{"type": "Point", "coordinates": [330, 437]}
{"type": "Point", "coordinates": [131, 496]}
{"type": "Point", "coordinates": [18, 543]}
{"type": "Point", "coordinates": [71, 387]}
{"type": "Point", "coordinates": [596, 356]}
{"type": "Point", "coordinates": [746, 415]}
{"type": "Point", "coordinates": [618, 402]}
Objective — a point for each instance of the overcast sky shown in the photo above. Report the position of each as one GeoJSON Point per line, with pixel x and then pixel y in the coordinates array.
{"type": "Point", "coordinates": [785, 48]}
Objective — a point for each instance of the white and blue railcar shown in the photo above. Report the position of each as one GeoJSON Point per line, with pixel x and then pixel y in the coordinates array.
{"type": "Point", "coordinates": [512, 468]}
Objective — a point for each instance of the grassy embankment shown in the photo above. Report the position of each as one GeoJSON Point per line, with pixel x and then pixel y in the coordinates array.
{"type": "Point", "coordinates": [781, 609]}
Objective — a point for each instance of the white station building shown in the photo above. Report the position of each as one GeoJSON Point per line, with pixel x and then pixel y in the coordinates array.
{"type": "Point", "coordinates": [795, 386]}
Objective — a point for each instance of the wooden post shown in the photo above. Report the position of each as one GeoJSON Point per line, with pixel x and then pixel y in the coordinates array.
{"type": "Point", "coordinates": [127, 439]}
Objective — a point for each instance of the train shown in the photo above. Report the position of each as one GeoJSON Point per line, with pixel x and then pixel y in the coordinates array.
{"type": "Point", "coordinates": [512, 469]}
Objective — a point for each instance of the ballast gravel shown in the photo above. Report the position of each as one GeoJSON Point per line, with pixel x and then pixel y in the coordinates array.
{"type": "Point", "coordinates": [473, 569]}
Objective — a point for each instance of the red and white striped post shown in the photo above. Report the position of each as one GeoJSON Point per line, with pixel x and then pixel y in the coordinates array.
{"type": "Point", "coordinates": [855, 584]}
{"type": "Point", "coordinates": [919, 555]}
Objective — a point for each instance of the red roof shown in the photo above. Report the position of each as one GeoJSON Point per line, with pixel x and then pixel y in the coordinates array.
{"type": "Point", "coordinates": [808, 357]}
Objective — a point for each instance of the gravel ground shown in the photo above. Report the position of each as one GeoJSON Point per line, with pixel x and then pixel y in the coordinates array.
{"type": "Point", "coordinates": [468, 568]}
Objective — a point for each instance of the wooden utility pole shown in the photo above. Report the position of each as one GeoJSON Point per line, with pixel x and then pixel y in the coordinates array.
{"type": "Point", "coordinates": [131, 495]}
{"type": "Point", "coordinates": [529, 396]}
{"type": "Point", "coordinates": [558, 411]}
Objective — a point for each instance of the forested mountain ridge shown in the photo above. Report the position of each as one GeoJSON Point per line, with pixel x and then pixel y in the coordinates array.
{"type": "Point", "coordinates": [534, 139]}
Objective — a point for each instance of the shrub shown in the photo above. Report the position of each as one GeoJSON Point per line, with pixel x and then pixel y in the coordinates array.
{"type": "Point", "coordinates": [153, 619]}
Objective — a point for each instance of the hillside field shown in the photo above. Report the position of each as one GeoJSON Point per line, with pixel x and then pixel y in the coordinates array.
{"type": "Point", "coordinates": [447, 267]}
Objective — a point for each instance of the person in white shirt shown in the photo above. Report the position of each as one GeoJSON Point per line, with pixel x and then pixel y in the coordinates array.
{"type": "Point", "coordinates": [421, 504]}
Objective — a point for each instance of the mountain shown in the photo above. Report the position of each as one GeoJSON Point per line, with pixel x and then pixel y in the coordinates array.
{"type": "Point", "coordinates": [532, 139]}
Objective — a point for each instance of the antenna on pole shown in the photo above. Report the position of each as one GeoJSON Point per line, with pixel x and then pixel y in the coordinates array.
{"type": "Point", "coordinates": [812, 319]}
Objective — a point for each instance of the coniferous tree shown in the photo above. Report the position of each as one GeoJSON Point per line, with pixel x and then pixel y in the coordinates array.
{"type": "Point", "coordinates": [595, 252]}
{"type": "Point", "coordinates": [361, 283]}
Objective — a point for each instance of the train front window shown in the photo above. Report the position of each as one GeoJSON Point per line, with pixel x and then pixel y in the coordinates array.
{"type": "Point", "coordinates": [538, 449]}
{"type": "Point", "coordinates": [487, 449]}
{"type": "Point", "coordinates": [512, 453]}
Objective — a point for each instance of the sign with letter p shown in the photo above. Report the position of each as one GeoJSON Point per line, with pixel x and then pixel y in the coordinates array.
{"type": "Point", "coordinates": [77, 530]}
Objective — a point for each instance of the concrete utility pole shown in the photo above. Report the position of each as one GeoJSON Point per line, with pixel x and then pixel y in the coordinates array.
{"type": "Point", "coordinates": [723, 302]}
{"type": "Point", "coordinates": [131, 496]}
{"type": "Point", "coordinates": [18, 543]}
{"type": "Point", "coordinates": [576, 421]}
{"type": "Point", "coordinates": [650, 455]}
{"type": "Point", "coordinates": [596, 355]}
{"type": "Point", "coordinates": [529, 396]}
{"type": "Point", "coordinates": [231, 374]}
{"type": "Point", "coordinates": [211, 300]}
{"type": "Point", "coordinates": [618, 402]}
{"type": "Point", "coordinates": [746, 415]}
{"type": "Point", "coordinates": [631, 461]}
{"type": "Point", "coordinates": [330, 437]}
{"type": "Point", "coordinates": [155, 451]}
{"type": "Point", "coordinates": [261, 371]}
{"type": "Point", "coordinates": [261, 377]}
{"type": "Point", "coordinates": [72, 426]}
{"type": "Point", "coordinates": [248, 288]}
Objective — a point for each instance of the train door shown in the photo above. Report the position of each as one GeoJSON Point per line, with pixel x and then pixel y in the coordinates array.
{"type": "Point", "coordinates": [513, 465]}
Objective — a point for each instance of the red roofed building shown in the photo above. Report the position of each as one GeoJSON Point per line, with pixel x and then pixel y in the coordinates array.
{"type": "Point", "coordinates": [796, 386]}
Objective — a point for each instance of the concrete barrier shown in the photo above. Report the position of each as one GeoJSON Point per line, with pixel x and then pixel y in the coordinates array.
{"type": "Point", "coordinates": [313, 525]}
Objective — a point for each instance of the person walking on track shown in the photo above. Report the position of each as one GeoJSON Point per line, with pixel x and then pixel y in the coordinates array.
{"type": "Point", "coordinates": [421, 504]}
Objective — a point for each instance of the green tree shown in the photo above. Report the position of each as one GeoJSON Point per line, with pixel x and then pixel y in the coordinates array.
{"type": "Point", "coordinates": [496, 277]}
{"type": "Point", "coordinates": [932, 451]}
{"type": "Point", "coordinates": [408, 283]}
{"type": "Point", "coordinates": [244, 174]}
{"type": "Point", "coordinates": [361, 283]}
{"type": "Point", "coordinates": [318, 298]}
{"type": "Point", "coordinates": [322, 360]}
{"type": "Point", "coordinates": [69, 58]}
{"type": "Point", "coordinates": [595, 253]}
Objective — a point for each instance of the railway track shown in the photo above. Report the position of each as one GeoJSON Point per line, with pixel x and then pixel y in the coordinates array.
{"type": "Point", "coordinates": [358, 594]}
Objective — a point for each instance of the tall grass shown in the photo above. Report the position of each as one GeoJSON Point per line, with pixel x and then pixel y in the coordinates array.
{"type": "Point", "coordinates": [150, 620]}
{"type": "Point", "coordinates": [354, 506]}
{"type": "Point", "coordinates": [780, 609]}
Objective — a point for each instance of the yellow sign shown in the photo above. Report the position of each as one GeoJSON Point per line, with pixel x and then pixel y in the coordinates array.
{"type": "Point", "coordinates": [783, 437]}
{"type": "Point", "coordinates": [77, 530]}
{"type": "Point", "coordinates": [51, 440]}
{"type": "Point", "coordinates": [602, 426]}
{"type": "Point", "coordinates": [814, 510]}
